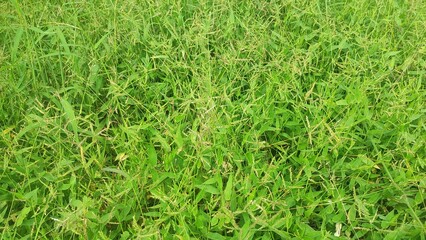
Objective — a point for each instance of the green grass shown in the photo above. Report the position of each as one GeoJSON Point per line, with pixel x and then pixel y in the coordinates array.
{"type": "Point", "coordinates": [213, 119]}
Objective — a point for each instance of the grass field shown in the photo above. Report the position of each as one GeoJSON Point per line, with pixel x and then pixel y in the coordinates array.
{"type": "Point", "coordinates": [213, 119]}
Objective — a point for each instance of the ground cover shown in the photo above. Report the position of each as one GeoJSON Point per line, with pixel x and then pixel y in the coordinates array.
{"type": "Point", "coordinates": [212, 119]}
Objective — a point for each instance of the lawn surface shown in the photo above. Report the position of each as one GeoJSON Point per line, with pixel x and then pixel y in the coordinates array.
{"type": "Point", "coordinates": [213, 119]}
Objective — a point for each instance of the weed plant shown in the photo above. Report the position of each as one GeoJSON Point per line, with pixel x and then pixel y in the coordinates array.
{"type": "Point", "coordinates": [212, 119]}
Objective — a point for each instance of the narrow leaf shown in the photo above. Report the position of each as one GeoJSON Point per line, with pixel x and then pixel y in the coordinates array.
{"type": "Point", "coordinates": [70, 116]}
{"type": "Point", "coordinates": [114, 170]}
{"type": "Point", "coordinates": [228, 188]}
{"type": "Point", "coordinates": [22, 215]}
{"type": "Point", "coordinates": [152, 155]}
{"type": "Point", "coordinates": [208, 188]}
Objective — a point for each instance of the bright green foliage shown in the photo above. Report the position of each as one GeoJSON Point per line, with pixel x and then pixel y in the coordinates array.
{"type": "Point", "coordinates": [213, 119]}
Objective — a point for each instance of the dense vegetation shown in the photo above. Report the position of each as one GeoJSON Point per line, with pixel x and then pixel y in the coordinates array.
{"type": "Point", "coordinates": [212, 119]}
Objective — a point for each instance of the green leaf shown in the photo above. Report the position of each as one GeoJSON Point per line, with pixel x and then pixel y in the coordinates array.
{"type": "Point", "coordinates": [389, 219]}
{"type": "Point", "coordinates": [100, 41]}
{"type": "Point", "coordinates": [27, 129]}
{"type": "Point", "coordinates": [32, 195]}
{"type": "Point", "coordinates": [208, 188]}
{"type": "Point", "coordinates": [214, 236]}
{"type": "Point", "coordinates": [178, 138]}
{"type": "Point", "coordinates": [308, 232]}
{"type": "Point", "coordinates": [210, 181]}
{"type": "Point", "coordinates": [352, 213]}
{"type": "Point", "coordinates": [22, 215]}
{"type": "Point", "coordinates": [342, 103]}
{"type": "Point", "coordinates": [114, 170]}
{"type": "Point", "coordinates": [229, 188]}
{"type": "Point", "coordinates": [63, 41]}
{"type": "Point", "coordinates": [152, 155]}
{"type": "Point", "coordinates": [70, 116]}
{"type": "Point", "coordinates": [16, 41]}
